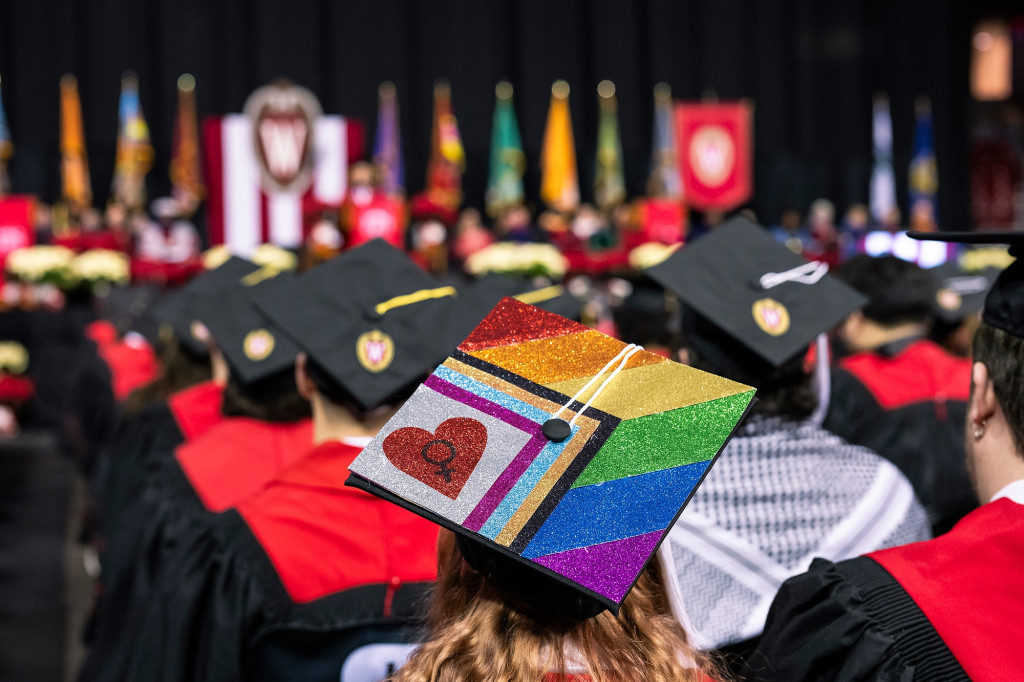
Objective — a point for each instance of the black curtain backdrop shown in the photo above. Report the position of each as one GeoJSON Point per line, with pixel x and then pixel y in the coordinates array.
{"type": "Point", "coordinates": [810, 67]}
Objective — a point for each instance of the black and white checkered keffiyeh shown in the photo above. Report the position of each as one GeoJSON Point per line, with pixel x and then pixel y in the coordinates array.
{"type": "Point", "coordinates": [781, 494]}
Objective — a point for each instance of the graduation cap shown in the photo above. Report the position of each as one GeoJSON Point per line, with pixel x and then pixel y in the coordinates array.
{"type": "Point", "coordinates": [175, 309]}
{"type": "Point", "coordinates": [960, 293]}
{"type": "Point", "coordinates": [372, 322]}
{"type": "Point", "coordinates": [559, 456]}
{"type": "Point", "coordinates": [253, 346]}
{"type": "Point", "coordinates": [478, 297]}
{"type": "Point", "coordinates": [770, 302]}
{"type": "Point", "coordinates": [1004, 304]}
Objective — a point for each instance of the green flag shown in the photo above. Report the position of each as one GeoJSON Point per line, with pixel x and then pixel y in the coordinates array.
{"type": "Point", "coordinates": [609, 183]}
{"type": "Point", "coordinates": [505, 179]}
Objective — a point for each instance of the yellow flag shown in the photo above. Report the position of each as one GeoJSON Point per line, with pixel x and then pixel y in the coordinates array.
{"type": "Point", "coordinates": [77, 190]}
{"type": "Point", "coordinates": [559, 181]}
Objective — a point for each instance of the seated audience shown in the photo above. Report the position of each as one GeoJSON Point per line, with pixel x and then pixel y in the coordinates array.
{"type": "Point", "coordinates": [899, 393]}
{"type": "Point", "coordinates": [949, 608]}
{"type": "Point", "coordinates": [785, 490]}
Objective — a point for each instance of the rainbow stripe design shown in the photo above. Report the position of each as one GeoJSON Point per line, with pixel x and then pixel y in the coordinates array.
{"type": "Point", "coordinates": [592, 508]}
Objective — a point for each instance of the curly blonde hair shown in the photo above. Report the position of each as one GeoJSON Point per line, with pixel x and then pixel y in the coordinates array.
{"type": "Point", "coordinates": [477, 633]}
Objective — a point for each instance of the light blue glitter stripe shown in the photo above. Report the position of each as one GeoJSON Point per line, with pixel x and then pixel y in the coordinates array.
{"type": "Point", "coordinates": [521, 490]}
{"type": "Point", "coordinates": [524, 486]}
{"type": "Point", "coordinates": [484, 391]}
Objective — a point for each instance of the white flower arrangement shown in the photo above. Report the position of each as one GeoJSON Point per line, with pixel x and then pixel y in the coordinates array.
{"type": "Point", "coordinates": [650, 254]}
{"type": "Point", "coordinates": [42, 265]}
{"type": "Point", "coordinates": [101, 265]}
{"type": "Point", "coordinates": [13, 357]}
{"type": "Point", "coordinates": [522, 259]}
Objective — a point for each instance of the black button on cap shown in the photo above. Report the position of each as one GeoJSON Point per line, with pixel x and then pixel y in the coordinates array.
{"type": "Point", "coordinates": [556, 430]}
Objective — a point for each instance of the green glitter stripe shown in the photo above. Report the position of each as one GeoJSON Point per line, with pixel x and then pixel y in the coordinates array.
{"type": "Point", "coordinates": [665, 440]}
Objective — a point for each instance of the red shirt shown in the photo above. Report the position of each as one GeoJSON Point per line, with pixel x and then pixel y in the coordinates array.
{"type": "Point", "coordinates": [131, 361]}
{"type": "Point", "coordinates": [239, 456]}
{"type": "Point", "coordinates": [324, 537]}
{"type": "Point", "coordinates": [196, 409]}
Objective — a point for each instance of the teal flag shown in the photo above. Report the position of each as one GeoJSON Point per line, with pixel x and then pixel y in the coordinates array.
{"type": "Point", "coordinates": [505, 178]}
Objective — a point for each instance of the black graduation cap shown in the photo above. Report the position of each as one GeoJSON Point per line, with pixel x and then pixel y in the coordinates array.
{"type": "Point", "coordinates": [131, 308]}
{"type": "Point", "coordinates": [769, 300]}
{"type": "Point", "coordinates": [253, 346]}
{"type": "Point", "coordinates": [1004, 305]}
{"type": "Point", "coordinates": [960, 292]}
{"type": "Point", "coordinates": [372, 322]}
{"type": "Point", "coordinates": [174, 309]}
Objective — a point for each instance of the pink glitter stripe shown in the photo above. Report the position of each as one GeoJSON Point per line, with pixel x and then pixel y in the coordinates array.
{"type": "Point", "coordinates": [514, 471]}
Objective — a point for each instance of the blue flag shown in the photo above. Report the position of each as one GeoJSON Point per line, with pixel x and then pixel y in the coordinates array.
{"type": "Point", "coordinates": [387, 143]}
{"type": "Point", "coordinates": [923, 183]}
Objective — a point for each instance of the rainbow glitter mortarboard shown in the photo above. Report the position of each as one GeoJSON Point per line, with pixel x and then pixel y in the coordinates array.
{"type": "Point", "coordinates": [473, 450]}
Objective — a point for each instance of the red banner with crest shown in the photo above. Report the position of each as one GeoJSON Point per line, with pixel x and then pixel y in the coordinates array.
{"type": "Point", "coordinates": [716, 146]}
{"type": "Point", "coordinates": [16, 213]}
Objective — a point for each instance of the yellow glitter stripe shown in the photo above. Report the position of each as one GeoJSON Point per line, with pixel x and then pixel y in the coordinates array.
{"type": "Point", "coordinates": [560, 358]}
{"type": "Point", "coordinates": [651, 389]}
{"type": "Point", "coordinates": [414, 297]}
{"type": "Point", "coordinates": [533, 501]}
{"type": "Point", "coordinates": [540, 295]}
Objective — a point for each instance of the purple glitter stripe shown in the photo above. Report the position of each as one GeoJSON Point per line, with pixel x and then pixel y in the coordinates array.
{"type": "Point", "coordinates": [514, 471]}
{"type": "Point", "coordinates": [609, 568]}
{"type": "Point", "coordinates": [486, 406]}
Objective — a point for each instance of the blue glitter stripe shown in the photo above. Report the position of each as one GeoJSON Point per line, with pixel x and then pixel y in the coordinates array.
{"type": "Point", "coordinates": [617, 509]}
{"type": "Point", "coordinates": [495, 396]}
{"type": "Point", "coordinates": [524, 486]}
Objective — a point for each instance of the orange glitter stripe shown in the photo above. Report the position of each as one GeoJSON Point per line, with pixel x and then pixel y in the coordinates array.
{"type": "Point", "coordinates": [547, 361]}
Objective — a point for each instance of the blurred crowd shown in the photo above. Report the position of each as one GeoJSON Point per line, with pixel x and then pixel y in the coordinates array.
{"type": "Point", "coordinates": [217, 406]}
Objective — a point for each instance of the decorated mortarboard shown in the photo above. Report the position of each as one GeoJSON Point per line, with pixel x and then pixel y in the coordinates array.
{"type": "Point", "coordinates": [768, 299]}
{"type": "Point", "coordinates": [174, 309]}
{"type": "Point", "coordinates": [478, 297]}
{"type": "Point", "coordinates": [371, 319]}
{"type": "Point", "coordinates": [1004, 304]}
{"type": "Point", "coordinates": [252, 345]}
{"type": "Point", "coordinates": [555, 450]}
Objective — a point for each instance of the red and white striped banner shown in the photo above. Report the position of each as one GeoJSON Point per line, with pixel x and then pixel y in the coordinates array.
{"type": "Point", "coordinates": [242, 213]}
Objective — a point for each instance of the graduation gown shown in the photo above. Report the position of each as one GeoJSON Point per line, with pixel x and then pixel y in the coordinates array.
{"type": "Point", "coordinates": [945, 609]}
{"type": "Point", "coordinates": [148, 438]}
{"type": "Point", "coordinates": [908, 402]}
{"type": "Point", "coordinates": [228, 463]}
{"type": "Point", "coordinates": [290, 582]}
{"type": "Point", "coordinates": [123, 497]}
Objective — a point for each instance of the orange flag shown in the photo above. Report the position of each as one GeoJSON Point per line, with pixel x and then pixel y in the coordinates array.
{"type": "Point", "coordinates": [77, 190]}
{"type": "Point", "coordinates": [559, 181]}
{"type": "Point", "coordinates": [185, 171]}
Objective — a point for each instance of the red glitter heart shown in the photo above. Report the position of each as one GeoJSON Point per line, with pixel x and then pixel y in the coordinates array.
{"type": "Point", "coordinates": [443, 459]}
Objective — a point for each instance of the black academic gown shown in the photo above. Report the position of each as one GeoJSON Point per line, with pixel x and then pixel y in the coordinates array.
{"type": "Point", "coordinates": [289, 583]}
{"type": "Point", "coordinates": [945, 609]}
{"type": "Point", "coordinates": [130, 499]}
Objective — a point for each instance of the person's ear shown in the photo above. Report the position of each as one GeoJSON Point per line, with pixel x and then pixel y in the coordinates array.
{"type": "Point", "coordinates": [983, 396]}
{"type": "Point", "coordinates": [302, 381]}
